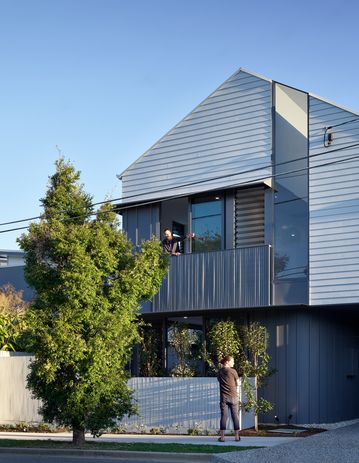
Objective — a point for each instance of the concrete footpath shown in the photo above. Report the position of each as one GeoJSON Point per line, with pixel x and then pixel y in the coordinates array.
{"type": "Point", "coordinates": [161, 439]}
{"type": "Point", "coordinates": [339, 445]}
{"type": "Point", "coordinates": [131, 438]}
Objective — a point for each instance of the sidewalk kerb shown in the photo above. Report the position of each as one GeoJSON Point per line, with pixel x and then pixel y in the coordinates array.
{"type": "Point", "coordinates": [119, 454]}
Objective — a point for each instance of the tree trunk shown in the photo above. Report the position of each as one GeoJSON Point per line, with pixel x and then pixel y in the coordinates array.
{"type": "Point", "coordinates": [256, 427]}
{"type": "Point", "coordinates": [78, 436]}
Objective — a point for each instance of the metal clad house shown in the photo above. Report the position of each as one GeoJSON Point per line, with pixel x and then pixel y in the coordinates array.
{"type": "Point", "coordinates": [232, 128]}
{"type": "Point", "coordinates": [12, 272]}
{"type": "Point", "coordinates": [266, 176]}
{"type": "Point", "coordinates": [334, 205]}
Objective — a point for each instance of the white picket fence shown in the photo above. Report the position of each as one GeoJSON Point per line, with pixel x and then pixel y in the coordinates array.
{"type": "Point", "coordinates": [174, 404]}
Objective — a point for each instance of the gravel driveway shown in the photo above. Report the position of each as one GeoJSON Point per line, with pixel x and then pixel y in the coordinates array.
{"type": "Point", "coordinates": [339, 445]}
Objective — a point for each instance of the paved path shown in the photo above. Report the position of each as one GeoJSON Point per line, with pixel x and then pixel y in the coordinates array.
{"type": "Point", "coordinates": [200, 440]}
{"type": "Point", "coordinates": [29, 455]}
{"type": "Point", "coordinates": [340, 445]}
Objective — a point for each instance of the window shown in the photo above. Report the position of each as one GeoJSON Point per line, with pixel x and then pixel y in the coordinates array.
{"type": "Point", "coordinates": [178, 230]}
{"type": "Point", "coordinates": [3, 260]}
{"type": "Point", "coordinates": [291, 228]}
{"type": "Point", "coordinates": [207, 223]}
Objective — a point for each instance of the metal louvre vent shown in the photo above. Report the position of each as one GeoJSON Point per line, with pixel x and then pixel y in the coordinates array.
{"type": "Point", "coordinates": [249, 217]}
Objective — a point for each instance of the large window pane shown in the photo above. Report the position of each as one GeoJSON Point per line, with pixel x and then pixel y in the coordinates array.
{"type": "Point", "coordinates": [207, 224]}
{"type": "Point", "coordinates": [208, 233]}
{"type": "Point", "coordinates": [291, 260]}
{"type": "Point", "coordinates": [204, 209]}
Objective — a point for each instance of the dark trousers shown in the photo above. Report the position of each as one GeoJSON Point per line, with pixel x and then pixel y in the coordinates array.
{"type": "Point", "coordinates": [231, 404]}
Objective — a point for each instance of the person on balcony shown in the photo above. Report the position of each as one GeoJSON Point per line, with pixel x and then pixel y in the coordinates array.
{"type": "Point", "coordinates": [229, 399]}
{"type": "Point", "coordinates": [170, 242]}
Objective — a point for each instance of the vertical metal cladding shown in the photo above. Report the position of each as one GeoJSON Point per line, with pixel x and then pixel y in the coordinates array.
{"type": "Point", "coordinates": [333, 205]}
{"type": "Point", "coordinates": [141, 223]}
{"type": "Point", "coordinates": [229, 132]}
{"type": "Point", "coordinates": [16, 276]}
{"type": "Point", "coordinates": [314, 356]}
{"type": "Point", "coordinates": [217, 280]}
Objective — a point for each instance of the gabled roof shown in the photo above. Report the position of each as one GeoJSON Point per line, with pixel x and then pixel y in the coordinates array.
{"type": "Point", "coordinates": [325, 100]}
{"type": "Point", "coordinates": [119, 176]}
{"type": "Point", "coordinates": [246, 71]}
{"type": "Point", "coordinates": [225, 141]}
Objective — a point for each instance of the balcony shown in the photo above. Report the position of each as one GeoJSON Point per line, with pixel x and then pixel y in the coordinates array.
{"type": "Point", "coordinates": [216, 280]}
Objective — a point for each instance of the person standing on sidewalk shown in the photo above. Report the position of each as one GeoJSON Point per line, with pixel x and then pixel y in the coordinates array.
{"type": "Point", "coordinates": [229, 399]}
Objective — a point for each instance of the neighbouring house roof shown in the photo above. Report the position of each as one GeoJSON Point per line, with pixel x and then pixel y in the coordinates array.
{"type": "Point", "coordinates": [12, 252]}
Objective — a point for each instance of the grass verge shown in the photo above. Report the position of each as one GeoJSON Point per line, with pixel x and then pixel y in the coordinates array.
{"type": "Point", "coordinates": [127, 447]}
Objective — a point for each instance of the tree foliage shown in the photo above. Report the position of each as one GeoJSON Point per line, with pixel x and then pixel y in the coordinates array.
{"type": "Point", "coordinates": [150, 351]}
{"type": "Point", "coordinates": [84, 320]}
{"type": "Point", "coordinates": [12, 318]}
{"type": "Point", "coordinates": [255, 364]}
{"type": "Point", "coordinates": [224, 340]}
{"type": "Point", "coordinates": [248, 346]}
{"type": "Point", "coordinates": [182, 339]}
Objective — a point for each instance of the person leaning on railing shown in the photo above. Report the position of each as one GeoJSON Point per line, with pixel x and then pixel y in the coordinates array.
{"type": "Point", "coordinates": [170, 242]}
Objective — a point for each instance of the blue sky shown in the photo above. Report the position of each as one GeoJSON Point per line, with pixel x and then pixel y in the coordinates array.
{"type": "Point", "coordinates": [102, 80]}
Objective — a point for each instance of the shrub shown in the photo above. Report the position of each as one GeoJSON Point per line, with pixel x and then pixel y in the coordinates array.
{"type": "Point", "coordinates": [12, 318]}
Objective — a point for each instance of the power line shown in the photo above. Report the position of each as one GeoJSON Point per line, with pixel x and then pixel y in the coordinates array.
{"type": "Point", "coordinates": [189, 184]}
{"type": "Point", "coordinates": [281, 174]}
{"type": "Point", "coordinates": [66, 219]}
{"type": "Point", "coordinates": [276, 175]}
{"type": "Point", "coordinates": [326, 144]}
{"type": "Point", "coordinates": [287, 174]}
{"type": "Point", "coordinates": [343, 123]}
{"type": "Point", "coordinates": [20, 220]}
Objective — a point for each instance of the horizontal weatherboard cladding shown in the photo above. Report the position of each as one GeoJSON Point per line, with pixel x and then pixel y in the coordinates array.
{"type": "Point", "coordinates": [333, 206]}
{"type": "Point", "coordinates": [229, 133]}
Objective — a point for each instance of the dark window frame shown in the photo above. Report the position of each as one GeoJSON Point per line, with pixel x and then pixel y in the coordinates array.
{"type": "Point", "coordinates": [216, 197]}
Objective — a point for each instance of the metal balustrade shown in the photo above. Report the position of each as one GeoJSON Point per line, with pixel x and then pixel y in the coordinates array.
{"type": "Point", "coordinates": [233, 278]}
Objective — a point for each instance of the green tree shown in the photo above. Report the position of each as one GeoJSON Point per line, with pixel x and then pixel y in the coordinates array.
{"type": "Point", "coordinates": [248, 346]}
{"type": "Point", "coordinates": [255, 364]}
{"type": "Point", "coordinates": [84, 320]}
{"type": "Point", "coordinates": [12, 318]}
{"type": "Point", "coordinates": [182, 339]}
{"type": "Point", "coordinates": [224, 340]}
{"type": "Point", "coordinates": [150, 351]}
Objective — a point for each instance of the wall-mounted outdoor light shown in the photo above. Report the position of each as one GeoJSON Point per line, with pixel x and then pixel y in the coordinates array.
{"type": "Point", "coordinates": [328, 136]}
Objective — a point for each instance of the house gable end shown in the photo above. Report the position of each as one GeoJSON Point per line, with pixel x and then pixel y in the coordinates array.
{"type": "Point", "coordinates": [229, 133]}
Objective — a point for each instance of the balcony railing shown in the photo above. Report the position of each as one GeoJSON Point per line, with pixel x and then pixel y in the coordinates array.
{"type": "Point", "coordinates": [216, 280]}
